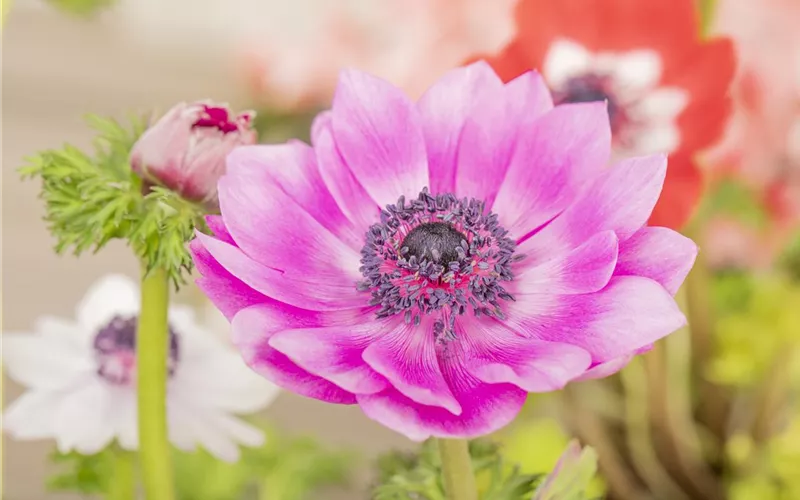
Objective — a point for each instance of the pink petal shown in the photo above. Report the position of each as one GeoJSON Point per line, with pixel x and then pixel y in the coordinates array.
{"type": "Point", "coordinates": [228, 293]}
{"type": "Point", "coordinates": [444, 108]}
{"type": "Point", "coordinates": [318, 295]}
{"type": "Point", "coordinates": [619, 199]}
{"type": "Point", "coordinates": [497, 118]}
{"type": "Point", "coordinates": [335, 353]}
{"type": "Point", "coordinates": [528, 96]}
{"type": "Point", "coordinates": [485, 409]}
{"type": "Point", "coordinates": [658, 253]}
{"type": "Point", "coordinates": [584, 270]}
{"type": "Point", "coordinates": [349, 194]}
{"type": "Point", "coordinates": [608, 368]}
{"type": "Point", "coordinates": [555, 156]}
{"type": "Point", "coordinates": [293, 168]}
{"type": "Point", "coordinates": [251, 330]}
{"type": "Point", "coordinates": [378, 132]}
{"type": "Point", "coordinates": [217, 227]}
{"type": "Point", "coordinates": [497, 355]}
{"type": "Point", "coordinates": [407, 358]}
{"type": "Point", "coordinates": [274, 230]}
{"type": "Point", "coordinates": [628, 314]}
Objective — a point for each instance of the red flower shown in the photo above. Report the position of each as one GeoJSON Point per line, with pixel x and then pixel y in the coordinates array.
{"type": "Point", "coordinates": [667, 89]}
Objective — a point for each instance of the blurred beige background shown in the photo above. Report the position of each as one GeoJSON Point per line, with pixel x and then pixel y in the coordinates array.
{"type": "Point", "coordinates": [55, 69]}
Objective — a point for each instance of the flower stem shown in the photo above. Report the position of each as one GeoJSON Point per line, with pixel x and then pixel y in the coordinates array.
{"type": "Point", "coordinates": [152, 351]}
{"type": "Point", "coordinates": [459, 478]}
{"type": "Point", "coordinates": [122, 477]}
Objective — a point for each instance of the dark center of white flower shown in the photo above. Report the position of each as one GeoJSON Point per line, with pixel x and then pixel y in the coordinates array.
{"type": "Point", "coordinates": [590, 88]}
{"type": "Point", "coordinates": [115, 350]}
{"type": "Point", "coordinates": [437, 255]}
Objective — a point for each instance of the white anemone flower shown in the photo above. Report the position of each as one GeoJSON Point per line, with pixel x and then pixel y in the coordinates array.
{"type": "Point", "coordinates": [81, 376]}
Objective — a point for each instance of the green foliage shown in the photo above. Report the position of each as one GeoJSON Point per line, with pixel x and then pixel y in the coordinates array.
{"type": "Point", "coordinates": [572, 477]}
{"type": "Point", "coordinates": [93, 198]}
{"type": "Point", "coordinates": [706, 10]}
{"type": "Point", "coordinates": [275, 126]}
{"type": "Point", "coordinates": [82, 8]}
{"type": "Point", "coordinates": [537, 444]}
{"type": "Point", "coordinates": [735, 199]}
{"type": "Point", "coordinates": [283, 468]}
{"type": "Point", "coordinates": [407, 476]}
{"type": "Point", "coordinates": [85, 474]}
{"type": "Point", "coordinates": [790, 259]}
{"type": "Point", "coordinates": [772, 474]}
{"type": "Point", "coordinates": [758, 320]}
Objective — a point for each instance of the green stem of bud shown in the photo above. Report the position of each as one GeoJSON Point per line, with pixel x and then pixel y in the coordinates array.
{"type": "Point", "coordinates": [151, 353]}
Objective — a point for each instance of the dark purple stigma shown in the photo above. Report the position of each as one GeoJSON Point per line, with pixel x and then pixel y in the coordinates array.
{"type": "Point", "coordinates": [437, 242]}
{"type": "Point", "coordinates": [589, 88]}
{"type": "Point", "coordinates": [115, 350]}
{"type": "Point", "coordinates": [216, 117]}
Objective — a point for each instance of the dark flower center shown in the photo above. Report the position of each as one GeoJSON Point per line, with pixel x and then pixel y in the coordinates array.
{"type": "Point", "coordinates": [433, 241]}
{"type": "Point", "coordinates": [115, 350]}
{"type": "Point", "coordinates": [589, 88]}
{"type": "Point", "coordinates": [216, 117]}
{"type": "Point", "coordinates": [437, 255]}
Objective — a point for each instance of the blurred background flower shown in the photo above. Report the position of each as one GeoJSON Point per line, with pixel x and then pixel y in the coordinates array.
{"type": "Point", "coordinates": [409, 43]}
{"type": "Point", "coordinates": [761, 146]}
{"type": "Point", "coordinates": [665, 85]}
{"type": "Point", "coordinates": [81, 377]}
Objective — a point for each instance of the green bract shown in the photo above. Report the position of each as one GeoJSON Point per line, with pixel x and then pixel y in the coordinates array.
{"type": "Point", "coordinates": [418, 475]}
{"type": "Point", "coordinates": [93, 198]}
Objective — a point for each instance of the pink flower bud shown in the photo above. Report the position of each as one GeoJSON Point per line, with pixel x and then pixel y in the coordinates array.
{"type": "Point", "coordinates": [185, 150]}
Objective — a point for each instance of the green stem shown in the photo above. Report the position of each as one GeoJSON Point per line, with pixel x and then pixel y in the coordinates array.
{"type": "Point", "coordinates": [459, 478]}
{"type": "Point", "coordinates": [152, 351]}
{"type": "Point", "coordinates": [122, 478]}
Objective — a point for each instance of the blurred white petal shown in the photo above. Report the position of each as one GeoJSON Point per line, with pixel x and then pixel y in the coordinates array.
{"type": "Point", "coordinates": [83, 421]}
{"type": "Point", "coordinates": [43, 362]}
{"type": "Point", "coordinates": [663, 104]}
{"type": "Point", "coordinates": [31, 415]}
{"type": "Point", "coordinates": [112, 295]}
{"type": "Point", "coordinates": [565, 60]}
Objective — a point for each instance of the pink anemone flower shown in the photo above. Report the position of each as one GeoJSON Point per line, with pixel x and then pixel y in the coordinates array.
{"type": "Point", "coordinates": [435, 261]}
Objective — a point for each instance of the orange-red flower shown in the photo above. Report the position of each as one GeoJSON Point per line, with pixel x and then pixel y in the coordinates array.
{"type": "Point", "coordinates": [666, 87]}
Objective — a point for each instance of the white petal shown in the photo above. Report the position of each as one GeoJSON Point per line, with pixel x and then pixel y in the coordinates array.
{"type": "Point", "coordinates": [82, 421]}
{"type": "Point", "coordinates": [565, 59]}
{"type": "Point", "coordinates": [190, 425]}
{"type": "Point", "coordinates": [217, 443]}
{"type": "Point", "coordinates": [661, 105]}
{"type": "Point", "coordinates": [44, 362]}
{"type": "Point", "coordinates": [111, 295]}
{"type": "Point", "coordinates": [657, 138]}
{"type": "Point", "coordinates": [181, 316]}
{"type": "Point", "coordinates": [68, 332]}
{"type": "Point", "coordinates": [181, 430]}
{"type": "Point", "coordinates": [237, 429]}
{"type": "Point", "coordinates": [636, 70]}
{"type": "Point", "coordinates": [31, 415]}
{"type": "Point", "coordinates": [123, 409]}
{"type": "Point", "coordinates": [212, 374]}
